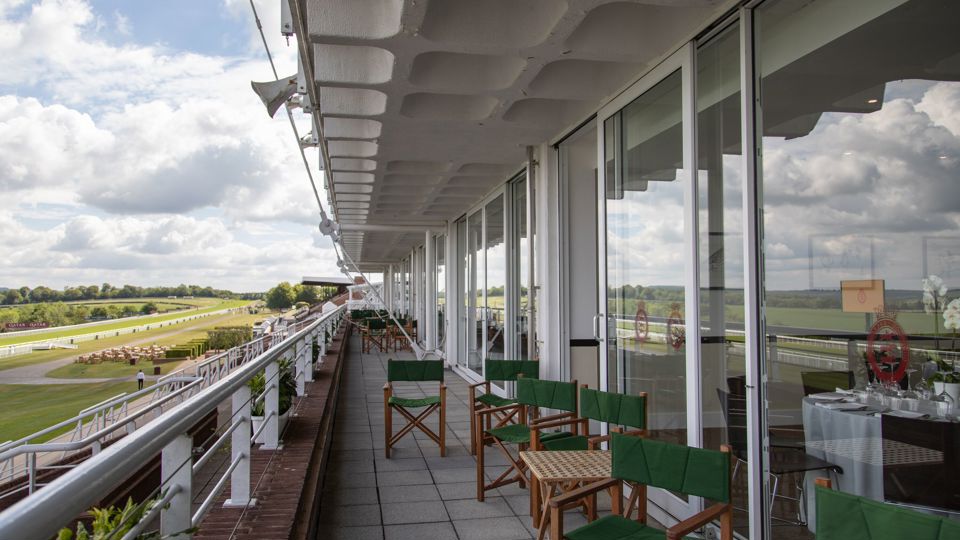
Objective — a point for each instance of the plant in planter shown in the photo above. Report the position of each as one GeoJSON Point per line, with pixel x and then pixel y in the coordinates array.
{"type": "Point", "coordinates": [288, 389]}
{"type": "Point", "coordinates": [114, 522]}
{"type": "Point", "coordinates": [948, 382]}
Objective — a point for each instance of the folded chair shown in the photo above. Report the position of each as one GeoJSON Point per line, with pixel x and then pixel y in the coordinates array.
{"type": "Point", "coordinates": [374, 333]}
{"type": "Point", "coordinates": [643, 463]}
{"type": "Point", "coordinates": [414, 371]}
{"type": "Point", "coordinates": [500, 371]}
{"type": "Point", "coordinates": [521, 425]}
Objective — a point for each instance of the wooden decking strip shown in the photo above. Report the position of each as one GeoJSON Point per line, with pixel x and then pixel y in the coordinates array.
{"type": "Point", "coordinates": [280, 477]}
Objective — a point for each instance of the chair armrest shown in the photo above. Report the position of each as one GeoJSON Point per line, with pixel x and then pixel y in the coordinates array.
{"type": "Point", "coordinates": [505, 408]}
{"type": "Point", "coordinates": [694, 522]}
{"type": "Point", "coordinates": [387, 386]}
{"type": "Point", "coordinates": [581, 492]}
{"type": "Point", "coordinates": [558, 423]}
{"type": "Point", "coordinates": [474, 385]}
{"type": "Point", "coordinates": [551, 418]}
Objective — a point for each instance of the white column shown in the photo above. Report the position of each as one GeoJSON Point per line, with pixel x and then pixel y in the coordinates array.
{"type": "Point", "coordinates": [388, 290]}
{"type": "Point", "coordinates": [176, 469]}
{"type": "Point", "coordinates": [240, 445]}
{"type": "Point", "coordinates": [271, 404]}
{"type": "Point", "coordinates": [454, 296]}
{"type": "Point", "coordinates": [429, 322]}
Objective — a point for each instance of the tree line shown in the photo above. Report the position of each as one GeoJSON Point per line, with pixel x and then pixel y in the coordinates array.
{"type": "Point", "coordinates": [285, 295]}
{"type": "Point", "coordinates": [40, 294]}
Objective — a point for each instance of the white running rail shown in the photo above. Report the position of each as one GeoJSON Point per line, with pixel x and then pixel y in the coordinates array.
{"type": "Point", "coordinates": [23, 461]}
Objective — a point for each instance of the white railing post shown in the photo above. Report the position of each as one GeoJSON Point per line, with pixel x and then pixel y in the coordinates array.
{"type": "Point", "coordinates": [322, 337]}
{"type": "Point", "coordinates": [271, 407]}
{"type": "Point", "coordinates": [176, 468]}
{"type": "Point", "coordinates": [300, 354]}
{"type": "Point", "coordinates": [308, 357]}
{"type": "Point", "coordinates": [240, 446]}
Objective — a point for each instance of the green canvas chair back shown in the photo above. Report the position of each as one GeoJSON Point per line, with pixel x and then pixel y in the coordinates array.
{"type": "Point", "coordinates": [548, 394]}
{"type": "Point", "coordinates": [510, 370]}
{"type": "Point", "coordinates": [841, 516]}
{"type": "Point", "coordinates": [415, 370]}
{"type": "Point", "coordinates": [680, 468]}
{"type": "Point", "coordinates": [619, 409]}
{"type": "Point", "coordinates": [376, 324]}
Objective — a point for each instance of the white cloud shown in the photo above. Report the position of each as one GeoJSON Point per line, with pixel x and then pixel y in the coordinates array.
{"type": "Point", "coordinates": [133, 143]}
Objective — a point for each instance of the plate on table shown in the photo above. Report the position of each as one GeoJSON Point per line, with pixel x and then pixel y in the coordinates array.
{"type": "Point", "coordinates": [830, 396]}
{"type": "Point", "coordinates": [908, 414]}
{"type": "Point", "coordinates": [841, 406]}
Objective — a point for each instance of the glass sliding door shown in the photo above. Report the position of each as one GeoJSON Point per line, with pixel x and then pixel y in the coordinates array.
{"type": "Point", "coordinates": [720, 181]}
{"type": "Point", "coordinates": [649, 281]}
{"type": "Point", "coordinates": [441, 287]}
{"type": "Point", "coordinates": [859, 121]}
{"type": "Point", "coordinates": [495, 278]}
{"type": "Point", "coordinates": [463, 273]}
{"type": "Point", "coordinates": [474, 303]}
{"type": "Point", "coordinates": [522, 265]}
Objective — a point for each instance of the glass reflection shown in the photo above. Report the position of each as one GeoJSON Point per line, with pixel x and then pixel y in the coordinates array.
{"type": "Point", "coordinates": [645, 264]}
{"type": "Point", "coordinates": [861, 205]}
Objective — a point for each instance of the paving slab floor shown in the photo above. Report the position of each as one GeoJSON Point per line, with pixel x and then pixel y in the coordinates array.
{"type": "Point", "coordinates": [416, 494]}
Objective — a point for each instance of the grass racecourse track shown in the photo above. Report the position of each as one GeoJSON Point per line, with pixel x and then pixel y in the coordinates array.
{"type": "Point", "coordinates": [120, 323]}
{"type": "Point", "coordinates": [31, 407]}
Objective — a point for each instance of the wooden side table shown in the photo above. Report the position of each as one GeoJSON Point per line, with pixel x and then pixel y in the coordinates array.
{"type": "Point", "coordinates": [553, 473]}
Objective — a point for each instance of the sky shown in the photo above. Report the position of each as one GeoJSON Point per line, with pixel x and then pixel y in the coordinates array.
{"type": "Point", "coordinates": [132, 149]}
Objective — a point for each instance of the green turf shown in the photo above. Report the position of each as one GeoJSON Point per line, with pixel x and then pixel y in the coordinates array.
{"type": "Point", "coordinates": [186, 331]}
{"type": "Point", "coordinates": [25, 413]}
{"type": "Point", "coordinates": [121, 369]}
{"type": "Point", "coordinates": [119, 324]}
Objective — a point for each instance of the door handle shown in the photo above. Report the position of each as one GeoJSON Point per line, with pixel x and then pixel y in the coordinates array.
{"type": "Point", "coordinates": [596, 327]}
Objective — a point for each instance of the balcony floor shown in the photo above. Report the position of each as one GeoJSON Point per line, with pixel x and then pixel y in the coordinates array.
{"type": "Point", "coordinates": [416, 493]}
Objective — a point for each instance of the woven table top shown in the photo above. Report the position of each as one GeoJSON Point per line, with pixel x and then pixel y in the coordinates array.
{"type": "Point", "coordinates": [562, 465]}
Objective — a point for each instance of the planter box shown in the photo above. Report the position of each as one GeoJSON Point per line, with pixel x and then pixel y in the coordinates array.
{"type": "Point", "coordinates": [256, 422]}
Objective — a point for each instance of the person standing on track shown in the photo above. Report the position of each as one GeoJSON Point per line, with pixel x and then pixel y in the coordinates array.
{"type": "Point", "coordinates": [140, 378]}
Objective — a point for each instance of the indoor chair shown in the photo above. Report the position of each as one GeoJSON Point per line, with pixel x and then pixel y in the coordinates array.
{"type": "Point", "coordinates": [643, 463]}
{"type": "Point", "coordinates": [414, 371]}
{"type": "Point", "coordinates": [499, 371]}
{"type": "Point", "coordinates": [521, 424]}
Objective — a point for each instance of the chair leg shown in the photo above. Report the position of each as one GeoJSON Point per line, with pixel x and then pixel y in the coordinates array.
{"type": "Point", "coordinates": [443, 421]}
{"type": "Point", "coordinates": [472, 407]}
{"type": "Point", "coordinates": [387, 428]}
{"type": "Point", "coordinates": [479, 452]}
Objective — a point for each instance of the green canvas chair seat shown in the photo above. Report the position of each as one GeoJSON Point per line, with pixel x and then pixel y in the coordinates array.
{"type": "Point", "coordinates": [502, 371]}
{"type": "Point", "coordinates": [644, 463]}
{"type": "Point", "coordinates": [414, 371]}
{"type": "Point", "coordinates": [414, 403]}
{"type": "Point", "coordinates": [514, 428]}
{"type": "Point", "coordinates": [841, 516]}
{"type": "Point", "coordinates": [520, 434]}
{"type": "Point", "coordinates": [616, 528]}
{"type": "Point", "coordinates": [494, 400]}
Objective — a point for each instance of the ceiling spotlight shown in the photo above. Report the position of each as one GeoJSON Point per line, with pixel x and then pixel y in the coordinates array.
{"type": "Point", "coordinates": [873, 101]}
{"type": "Point", "coordinates": [848, 153]}
{"type": "Point", "coordinates": [943, 157]}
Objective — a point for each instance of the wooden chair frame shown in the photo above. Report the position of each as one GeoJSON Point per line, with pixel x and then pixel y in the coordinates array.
{"type": "Point", "coordinates": [414, 421]}
{"type": "Point", "coordinates": [638, 501]}
{"type": "Point", "coordinates": [505, 416]}
{"type": "Point", "coordinates": [370, 337]}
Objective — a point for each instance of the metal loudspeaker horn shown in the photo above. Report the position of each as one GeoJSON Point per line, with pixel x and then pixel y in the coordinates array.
{"type": "Point", "coordinates": [275, 93]}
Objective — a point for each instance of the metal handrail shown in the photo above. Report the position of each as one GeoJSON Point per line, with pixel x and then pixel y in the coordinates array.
{"type": "Point", "coordinates": [42, 514]}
